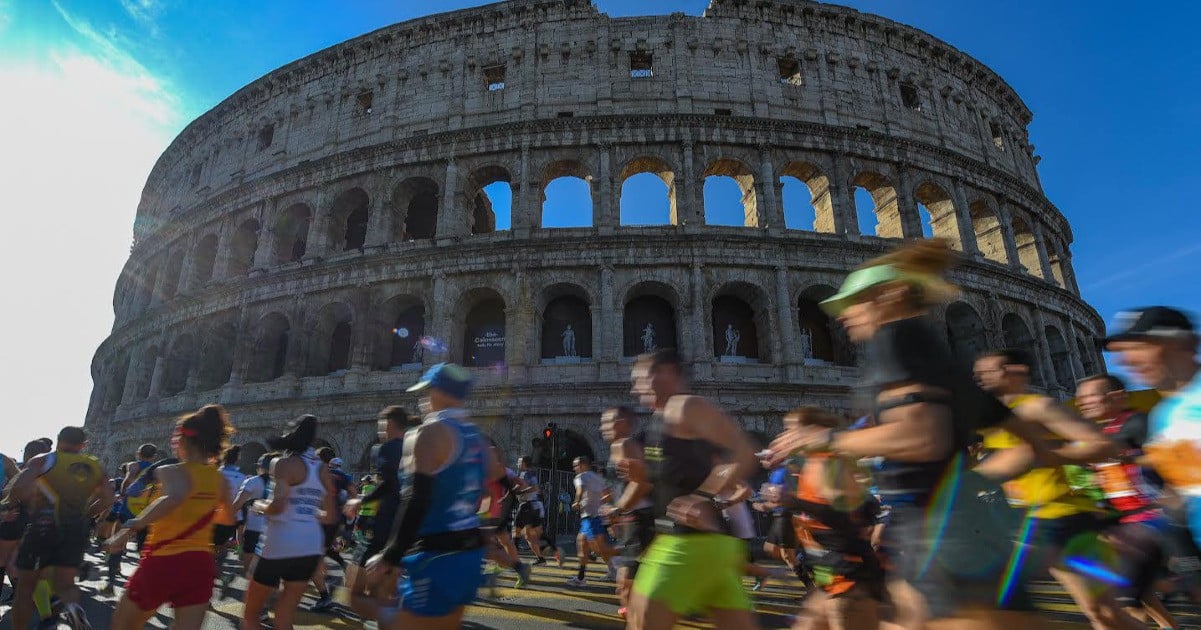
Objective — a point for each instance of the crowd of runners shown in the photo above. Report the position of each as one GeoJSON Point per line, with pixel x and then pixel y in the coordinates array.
{"type": "Point", "coordinates": [935, 505]}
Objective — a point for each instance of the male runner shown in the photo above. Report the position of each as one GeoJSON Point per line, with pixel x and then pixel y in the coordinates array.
{"type": "Point", "coordinates": [436, 537]}
{"type": "Point", "coordinates": [225, 534]}
{"type": "Point", "coordinates": [690, 567]}
{"type": "Point", "coordinates": [62, 491]}
{"type": "Point", "coordinates": [632, 507]}
{"type": "Point", "coordinates": [11, 523]}
{"type": "Point", "coordinates": [531, 510]}
{"type": "Point", "coordinates": [593, 538]}
{"type": "Point", "coordinates": [1158, 345]}
{"type": "Point", "coordinates": [1060, 518]}
{"type": "Point", "coordinates": [256, 488]}
{"type": "Point", "coordinates": [14, 516]}
{"type": "Point", "coordinates": [344, 491]}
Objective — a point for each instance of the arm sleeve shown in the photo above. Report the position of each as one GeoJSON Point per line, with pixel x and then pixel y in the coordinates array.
{"type": "Point", "coordinates": [414, 504]}
{"type": "Point", "coordinates": [387, 467]}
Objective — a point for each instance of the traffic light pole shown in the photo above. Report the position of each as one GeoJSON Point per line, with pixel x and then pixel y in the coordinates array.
{"type": "Point", "coordinates": [552, 500]}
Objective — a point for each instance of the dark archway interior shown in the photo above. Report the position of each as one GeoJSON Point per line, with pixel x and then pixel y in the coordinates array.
{"type": "Point", "coordinates": [407, 331]}
{"type": "Point", "coordinates": [484, 334]}
{"type": "Point", "coordinates": [735, 333]}
{"type": "Point", "coordinates": [649, 324]}
{"type": "Point", "coordinates": [563, 312]}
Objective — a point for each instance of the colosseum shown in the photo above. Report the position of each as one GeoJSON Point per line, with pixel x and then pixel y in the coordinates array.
{"type": "Point", "coordinates": [320, 236]}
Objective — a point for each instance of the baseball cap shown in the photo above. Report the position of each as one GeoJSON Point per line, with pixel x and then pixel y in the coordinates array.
{"type": "Point", "coordinates": [336, 462]}
{"type": "Point", "coordinates": [860, 280]}
{"type": "Point", "coordinates": [1150, 322]}
{"type": "Point", "coordinates": [448, 377]}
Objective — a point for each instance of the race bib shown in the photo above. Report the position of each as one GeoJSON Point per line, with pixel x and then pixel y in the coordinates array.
{"type": "Point", "coordinates": [1177, 462]}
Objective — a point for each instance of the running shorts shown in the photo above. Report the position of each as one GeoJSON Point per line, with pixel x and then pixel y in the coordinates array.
{"type": "Point", "coordinates": [1141, 554]}
{"type": "Point", "coordinates": [693, 573]}
{"type": "Point", "coordinates": [593, 527]}
{"type": "Point", "coordinates": [781, 533]}
{"type": "Point", "coordinates": [436, 583]}
{"type": "Point", "coordinates": [528, 515]}
{"type": "Point", "coordinates": [250, 540]}
{"type": "Point", "coordinates": [49, 544]}
{"type": "Point", "coordinates": [183, 579]}
{"type": "Point", "coordinates": [222, 534]}
{"type": "Point", "coordinates": [372, 544]}
{"type": "Point", "coordinates": [270, 572]}
{"type": "Point", "coordinates": [637, 533]}
{"type": "Point", "coordinates": [12, 525]}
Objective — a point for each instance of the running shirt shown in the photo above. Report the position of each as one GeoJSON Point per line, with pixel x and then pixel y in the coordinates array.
{"type": "Point", "coordinates": [139, 502]}
{"type": "Point", "coordinates": [234, 479]}
{"type": "Point", "coordinates": [387, 469]}
{"type": "Point", "coordinates": [1174, 444]}
{"type": "Point", "coordinates": [296, 531]}
{"type": "Point", "coordinates": [459, 484]}
{"type": "Point", "coordinates": [258, 488]}
{"type": "Point", "coordinates": [1123, 484]}
{"type": "Point", "coordinates": [675, 467]}
{"type": "Point", "coordinates": [779, 477]}
{"type": "Point", "coordinates": [836, 538]}
{"type": "Point", "coordinates": [1045, 492]}
{"type": "Point", "coordinates": [369, 507]}
{"type": "Point", "coordinates": [589, 488]}
{"type": "Point", "coordinates": [189, 527]}
{"type": "Point", "coordinates": [68, 483]}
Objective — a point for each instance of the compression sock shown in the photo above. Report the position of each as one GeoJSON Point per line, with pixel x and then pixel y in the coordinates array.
{"type": "Point", "coordinates": [580, 574]}
{"type": "Point", "coordinates": [114, 566]}
{"type": "Point", "coordinates": [41, 598]}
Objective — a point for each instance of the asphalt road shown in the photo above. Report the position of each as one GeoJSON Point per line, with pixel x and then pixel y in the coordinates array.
{"type": "Point", "coordinates": [547, 602]}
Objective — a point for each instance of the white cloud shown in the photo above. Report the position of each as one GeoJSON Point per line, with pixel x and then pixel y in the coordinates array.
{"type": "Point", "coordinates": [144, 12]}
{"type": "Point", "coordinates": [83, 123]}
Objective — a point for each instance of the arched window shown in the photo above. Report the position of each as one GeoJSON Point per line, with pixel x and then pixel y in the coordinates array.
{"type": "Point", "coordinates": [147, 279]}
{"type": "Point", "coordinates": [178, 365]}
{"type": "Point", "coordinates": [116, 382]}
{"type": "Point", "coordinates": [491, 200]}
{"type": "Point", "coordinates": [292, 233]}
{"type": "Point", "coordinates": [331, 340]}
{"type": "Point", "coordinates": [817, 338]}
{"type": "Point", "coordinates": [145, 373]}
{"type": "Point", "coordinates": [1061, 358]}
{"type": "Point", "coordinates": [349, 216]}
{"type": "Point", "coordinates": [876, 206]}
{"type": "Point", "coordinates": [648, 193]}
{"type": "Point", "coordinates": [566, 196]}
{"type": "Point", "coordinates": [737, 320]}
{"type": "Point", "coordinates": [649, 321]}
{"type": "Point", "coordinates": [217, 357]}
{"type": "Point", "coordinates": [484, 334]}
{"type": "Point", "coordinates": [566, 330]}
{"type": "Point", "coordinates": [272, 337]}
{"type": "Point", "coordinates": [990, 238]}
{"type": "Point", "coordinates": [245, 243]}
{"type": "Point", "coordinates": [806, 196]}
{"type": "Point", "coordinates": [173, 271]}
{"type": "Point", "coordinates": [205, 256]}
{"type": "Point", "coordinates": [403, 323]}
{"type": "Point", "coordinates": [937, 214]}
{"type": "Point", "coordinates": [965, 333]}
{"type": "Point", "coordinates": [571, 445]}
{"type": "Point", "coordinates": [1017, 335]}
{"type": "Point", "coordinates": [1027, 247]}
{"type": "Point", "coordinates": [1088, 357]}
{"type": "Point", "coordinates": [415, 209]}
{"type": "Point", "coordinates": [729, 194]}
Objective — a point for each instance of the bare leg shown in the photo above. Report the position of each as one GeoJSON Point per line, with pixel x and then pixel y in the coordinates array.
{"type": "Point", "coordinates": [256, 598]}
{"type": "Point", "coordinates": [64, 584]}
{"type": "Point", "coordinates": [647, 614]}
{"type": "Point", "coordinates": [189, 617]}
{"type": "Point", "coordinates": [1154, 607]}
{"type": "Point", "coordinates": [128, 616]}
{"type": "Point", "coordinates": [1101, 609]}
{"type": "Point", "coordinates": [726, 619]}
{"type": "Point", "coordinates": [23, 598]}
{"type": "Point", "coordinates": [285, 606]}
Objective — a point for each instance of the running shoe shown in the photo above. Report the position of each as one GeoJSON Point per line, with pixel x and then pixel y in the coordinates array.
{"type": "Point", "coordinates": [76, 617]}
{"type": "Point", "coordinates": [226, 580]}
{"type": "Point", "coordinates": [758, 584]}
{"type": "Point", "coordinates": [523, 574]}
{"type": "Point", "coordinates": [621, 612]}
{"type": "Point", "coordinates": [323, 604]}
{"type": "Point", "coordinates": [576, 582]}
{"type": "Point", "coordinates": [48, 624]}
{"type": "Point", "coordinates": [111, 589]}
{"type": "Point", "coordinates": [539, 562]}
{"type": "Point", "coordinates": [611, 574]}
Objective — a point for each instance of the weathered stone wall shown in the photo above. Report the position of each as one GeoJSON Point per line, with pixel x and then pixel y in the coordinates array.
{"type": "Point", "coordinates": [378, 121]}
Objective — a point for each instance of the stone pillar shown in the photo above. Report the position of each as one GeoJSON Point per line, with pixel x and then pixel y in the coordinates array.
{"type": "Point", "coordinates": [224, 250]}
{"type": "Point", "coordinates": [450, 218]}
{"type": "Point", "coordinates": [379, 226]}
{"type": "Point", "coordinates": [131, 378]}
{"type": "Point", "coordinates": [298, 342]}
{"type": "Point", "coordinates": [243, 349]}
{"type": "Point", "coordinates": [1044, 350]}
{"type": "Point", "coordinates": [846, 221]}
{"type": "Point", "coordinates": [700, 350]}
{"type": "Point", "coordinates": [911, 220]}
{"type": "Point", "coordinates": [1005, 216]}
{"type": "Point", "coordinates": [1041, 244]}
{"type": "Point", "coordinates": [184, 285]}
{"type": "Point", "coordinates": [606, 211]}
{"type": "Point", "coordinates": [438, 322]}
{"type": "Point", "coordinates": [611, 339]}
{"type": "Point", "coordinates": [1069, 272]}
{"type": "Point", "coordinates": [363, 350]}
{"type": "Point", "coordinates": [694, 207]}
{"type": "Point", "coordinates": [787, 327]}
{"type": "Point", "coordinates": [963, 221]}
{"type": "Point", "coordinates": [521, 325]}
{"type": "Point", "coordinates": [318, 244]}
{"type": "Point", "coordinates": [522, 213]}
{"type": "Point", "coordinates": [156, 377]}
{"type": "Point", "coordinates": [1073, 341]}
{"type": "Point", "coordinates": [770, 206]}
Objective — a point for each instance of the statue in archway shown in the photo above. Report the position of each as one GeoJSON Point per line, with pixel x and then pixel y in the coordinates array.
{"type": "Point", "coordinates": [806, 343]}
{"type": "Point", "coordinates": [648, 338]}
{"type": "Point", "coordinates": [418, 350]}
{"type": "Point", "coordinates": [732, 338]}
{"type": "Point", "coordinates": [568, 338]}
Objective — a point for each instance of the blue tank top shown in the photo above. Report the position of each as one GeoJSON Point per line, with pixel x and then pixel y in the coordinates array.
{"type": "Point", "coordinates": [460, 483]}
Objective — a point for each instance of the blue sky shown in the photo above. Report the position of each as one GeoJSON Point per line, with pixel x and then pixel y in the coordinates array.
{"type": "Point", "coordinates": [96, 89]}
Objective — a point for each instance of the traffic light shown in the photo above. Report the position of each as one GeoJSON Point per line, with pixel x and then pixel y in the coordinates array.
{"type": "Point", "coordinates": [550, 430]}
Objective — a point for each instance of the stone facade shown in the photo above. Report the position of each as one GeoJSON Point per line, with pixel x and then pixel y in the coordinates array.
{"type": "Point", "coordinates": [289, 238]}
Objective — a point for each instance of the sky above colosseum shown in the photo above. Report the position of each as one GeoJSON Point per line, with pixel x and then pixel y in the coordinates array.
{"type": "Point", "coordinates": [94, 90]}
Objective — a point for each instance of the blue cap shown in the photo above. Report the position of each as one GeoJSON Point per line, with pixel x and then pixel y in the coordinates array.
{"type": "Point", "coordinates": [448, 377]}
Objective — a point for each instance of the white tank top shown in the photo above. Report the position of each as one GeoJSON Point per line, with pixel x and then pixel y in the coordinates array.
{"type": "Point", "coordinates": [233, 481]}
{"type": "Point", "coordinates": [296, 532]}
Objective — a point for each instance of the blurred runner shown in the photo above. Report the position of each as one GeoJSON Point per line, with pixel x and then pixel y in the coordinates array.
{"type": "Point", "coordinates": [632, 508]}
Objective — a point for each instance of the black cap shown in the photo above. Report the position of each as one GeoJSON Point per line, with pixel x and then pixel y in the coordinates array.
{"type": "Point", "coordinates": [1151, 322]}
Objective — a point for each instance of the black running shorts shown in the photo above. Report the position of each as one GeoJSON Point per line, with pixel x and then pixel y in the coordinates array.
{"type": "Point", "coordinates": [271, 572]}
{"type": "Point", "coordinates": [49, 544]}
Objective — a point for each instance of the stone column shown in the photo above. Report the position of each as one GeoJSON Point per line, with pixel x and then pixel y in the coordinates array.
{"type": "Point", "coordinates": [131, 377]}
{"type": "Point", "coordinates": [450, 218]}
{"type": "Point", "coordinates": [1005, 216]}
{"type": "Point", "coordinates": [298, 341]}
{"type": "Point", "coordinates": [701, 346]}
{"type": "Point", "coordinates": [363, 350]}
{"type": "Point", "coordinates": [521, 325]}
{"type": "Point", "coordinates": [438, 322]}
{"type": "Point", "coordinates": [156, 377]}
{"type": "Point", "coordinates": [184, 285]}
{"type": "Point", "coordinates": [694, 207]}
{"type": "Point", "coordinates": [1041, 244]}
{"type": "Point", "coordinates": [521, 214]}
{"type": "Point", "coordinates": [318, 244]}
{"type": "Point", "coordinates": [1073, 341]}
{"type": "Point", "coordinates": [224, 251]}
{"type": "Point", "coordinates": [379, 227]}
{"type": "Point", "coordinates": [846, 221]}
{"type": "Point", "coordinates": [1069, 272]}
{"type": "Point", "coordinates": [611, 340]}
{"type": "Point", "coordinates": [963, 221]}
{"type": "Point", "coordinates": [770, 206]}
{"type": "Point", "coordinates": [606, 213]}
{"type": "Point", "coordinates": [787, 327]}
{"type": "Point", "coordinates": [911, 220]}
{"type": "Point", "coordinates": [1044, 350]}
{"type": "Point", "coordinates": [243, 350]}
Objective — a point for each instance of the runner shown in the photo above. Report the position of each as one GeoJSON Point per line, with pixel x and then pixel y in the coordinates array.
{"type": "Point", "coordinates": [436, 537]}
{"type": "Point", "coordinates": [593, 538]}
{"type": "Point", "coordinates": [177, 566]}
{"type": "Point", "coordinates": [256, 488]}
{"type": "Point", "coordinates": [366, 599]}
{"type": "Point", "coordinates": [226, 530]}
{"type": "Point", "coordinates": [690, 567]}
{"type": "Point", "coordinates": [781, 543]}
{"type": "Point", "coordinates": [531, 510]}
{"type": "Point", "coordinates": [1064, 523]}
{"type": "Point", "coordinates": [13, 528]}
{"type": "Point", "coordinates": [331, 530]}
{"type": "Point", "coordinates": [632, 508]}
{"type": "Point", "coordinates": [291, 547]}
{"type": "Point", "coordinates": [60, 491]}
{"type": "Point", "coordinates": [740, 523]}
{"type": "Point", "coordinates": [11, 522]}
{"type": "Point", "coordinates": [497, 508]}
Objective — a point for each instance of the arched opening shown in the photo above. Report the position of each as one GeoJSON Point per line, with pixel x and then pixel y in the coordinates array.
{"type": "Point", "coordinates": [566, 326]}
{"type": "Point", "coordinates": [242, 250]}
{"type": "Point", "coordinates": [348, 219]}
{"type": "Point", "coordinates": [217, 357]}
{"type": "Point", "coordinates": [566, 195]}
{"type": "Point", "coordinates": [818, 336]}
{"type": "Point", "coordinates": [738, 317]}
{"type": "Point", "coordinates": [990, 238]}
{"type": "Point", "coordinates": [292, 233]}
{"type": "Point", "coordinates": [415, 209]}
{"type": "Point", "coordinates": [876, 206]}
{"type": "Point", "coordinates": [178, 365]}
{"type": "Point", "coordinates": [116, 382]}
{"type": "Point", "coordinates": [204, 257]}
{"type": "Point", "coordinates": [249, 456]}
{"type": "Point", "coordinates": [1088, 357]}
{"type": "Point", "coordinates": [1061, 358]}
{"type": "Point", "coordinates": [172, 273]}
{"type": "Point", "coordinates": [649, 320]}
{"type": "Point", "coordinates": [729, 194]}
{"type": "Point", "coordinates": [1056, 264]}
{"type": "Point", "coordinates": [937, 214]}
{"type": "Point", "coordinates": [1017, 335]}
{"type": "Point", "coordinates": [648, 193]}
{"type": "Point", "coordinates": [146, 280]}
{"type": "Point", "coordinates": [484, 334]}
{"type": "Point", "coordinates": [491, 199]}
{"type": "Point", "coordinates": [1023, 238]}
{"type": "Point", "coordinates": [965, 333]}
{"type": "Point", "coordinates": [331, 340]}
{"type": "Point", "coordinates": [270, 359]}
{"type": "Point", "coordinates": [402, 322]}
{"type": "Point", "coordinates": [145, 373]}
{"type": "Point", "coordinates": [805, 192]}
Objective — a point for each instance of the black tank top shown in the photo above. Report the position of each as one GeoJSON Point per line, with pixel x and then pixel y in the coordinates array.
{"type": "Point", "coordinates": [676, 467]}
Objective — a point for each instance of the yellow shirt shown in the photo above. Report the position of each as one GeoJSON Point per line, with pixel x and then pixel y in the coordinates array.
{"type": "Point", "coordinates": [201, 504]}
{"type": "Point", "coordinates": [69, 483]}
{"type": "Point", "coordinates": [1044, 491]}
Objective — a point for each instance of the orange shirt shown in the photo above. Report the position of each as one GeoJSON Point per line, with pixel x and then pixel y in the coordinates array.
{"type": "Point", "coordinates": [177, 532]}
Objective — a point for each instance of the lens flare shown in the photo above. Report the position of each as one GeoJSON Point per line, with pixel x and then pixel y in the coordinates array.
{"type": "Point", "coordinates": [1095, 569]}
{"type": "Point", "coordinates": [433, 345]}
{"type": "Point", "coordinates": [402, 332]}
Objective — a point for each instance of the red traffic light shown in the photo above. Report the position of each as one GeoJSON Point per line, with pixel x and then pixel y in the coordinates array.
{"type": "Point", "coordinates": [547, 433]}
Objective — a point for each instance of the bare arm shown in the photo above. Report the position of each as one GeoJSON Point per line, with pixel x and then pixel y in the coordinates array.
{"type": "Point", "coordinates": [283, 470]}
{"type": "Point", "coordinates": [175, 486]}
{"type": "Point", "coordinates": [918, 432]}
{"type": "Point", "coordinates": [1086, 442]}
{"type": "Point", "coordinates": [22, 487]}
{"type": "Point", "coordinates": [1008, 463]}
{"type": "Point", "coordinates": [626, 451]}
{"type": "Point", "coordinates": [741, 493]}
{"type": "Point", "coordinates": [104, 498]}
{"type": "Point", "coordinates": [242, 499]}
{"type": "Point", "coordinates": [329, 506]}
{"type": "Point", "coordinates": [704, 420]}
{"type": "Point", "coordinates": [131, 475]}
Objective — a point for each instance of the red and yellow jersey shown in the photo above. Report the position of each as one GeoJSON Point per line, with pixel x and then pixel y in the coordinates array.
{"type": "Point", "coordinates": [178, 531]}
